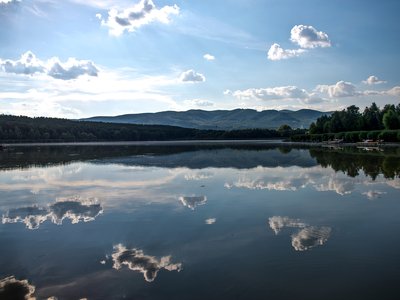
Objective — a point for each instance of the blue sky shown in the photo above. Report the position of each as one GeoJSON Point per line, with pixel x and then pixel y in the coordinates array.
{"type": "Point", "coordinates": [79, 58]}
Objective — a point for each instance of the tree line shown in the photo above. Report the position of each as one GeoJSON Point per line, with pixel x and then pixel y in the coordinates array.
{"type": "Point", "coordinates": [25, 129]}
{"type": "Point", "coordinates": [351, 119]}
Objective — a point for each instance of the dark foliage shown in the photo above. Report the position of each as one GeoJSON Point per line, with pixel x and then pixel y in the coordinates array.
{"type": "Point", "coordinates": [25, 129]}
{"type": "Point", "coordinates": [352, 119]}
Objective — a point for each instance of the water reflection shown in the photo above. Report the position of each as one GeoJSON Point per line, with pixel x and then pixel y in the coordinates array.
{"type": "Point", "coordinates": [193, 201]}
{"type": "Point", "coordinates": [75, 209]}
{"type": "Point", "coordinates": [148, 196]}
{"type": "Point", "coordinates": [277, 223]}
{"type": "Point", "coordinates": [210, 221]}
{"type": "Point", "coordinates": [306, 238]}
{"type": "Point", "coordinates": [310, 237]}
{"type": "Point", "coordinates": [136, 260]}
{"type": "Point", "coordinates": [12, 288]}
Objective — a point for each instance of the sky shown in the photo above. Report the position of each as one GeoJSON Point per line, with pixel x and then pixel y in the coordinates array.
{"type": "Point", "coordinates": [83, 58]}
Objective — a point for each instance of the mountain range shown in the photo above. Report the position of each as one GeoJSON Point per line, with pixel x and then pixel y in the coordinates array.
{"type": "Point", "coordinates": [220, 119]}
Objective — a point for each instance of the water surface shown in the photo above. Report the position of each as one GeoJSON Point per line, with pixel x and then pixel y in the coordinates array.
{"type": "Point", "coordinates": [200, 222]}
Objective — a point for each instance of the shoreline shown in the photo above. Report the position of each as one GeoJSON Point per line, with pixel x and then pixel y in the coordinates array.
{"type": "Point", "coordinates": [196, 142]}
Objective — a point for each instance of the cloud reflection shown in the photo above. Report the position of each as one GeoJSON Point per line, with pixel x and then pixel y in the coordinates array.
{"type": "Point", "coordinates": [310, 237]}
{"type": "Point", "coordinates": [193, 202]}
{"type": "Point", "coordinates": [277, 223]}
{"type": "Point", "coordinates": [12, 288]}
{"type": "Point", "coordinates": [210, 221]}
{"type": "Point", "coordinates": [305, 239]}
{"type": "Point", "coordinates": [136, 260]}
{"type": "Point", "coordinates": [75, 209]}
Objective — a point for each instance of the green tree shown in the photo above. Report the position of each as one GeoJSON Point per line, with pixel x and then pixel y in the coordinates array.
{"type": "Point", "coordinates": [391, 120]}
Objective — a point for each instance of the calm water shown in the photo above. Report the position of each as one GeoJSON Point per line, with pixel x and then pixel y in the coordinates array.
{"type": "Point", "coordinates": [200, 222]}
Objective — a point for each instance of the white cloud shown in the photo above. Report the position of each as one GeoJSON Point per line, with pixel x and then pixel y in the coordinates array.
{"type": "Point", "coordinates": [339, 90]}
{"type": "Point", "coordinates": [29, 64]}
{"type": "Point", "coordinates": [371, 80]}
{"type": "Point", "coordinates": [208, 57]}
{"type": "Point", "coordinates": [308, 37]}
{"type": "Point", "coordinates": [192, 76]}
{"type": "Point", "coordinates": [395, 91]}
{"type": "Point", "coordinates": [274, 93]}
{"type": "Point", "coordinates": [8, 1]}
{"type": "Point", "coordinates": [136, 260]}
{"type": "Point", "coordinates": [276, 52]}
{"type": "Point", "coordinates": [199, 103]}
{"type": "Point", "coordinates": [143, 13]}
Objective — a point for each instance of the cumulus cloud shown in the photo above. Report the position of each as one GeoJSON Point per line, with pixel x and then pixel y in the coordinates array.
{"type": "Point", "coordinates": [308, 37]}
{"type": "Point", "coordinates": [371, 80]}
{"type": "Point", "coordinates": [395, 91]}
{"type": "Point", "coordinates": [136, 260]}
{"type": "Point", "coordinates": [192, 76]}
{"type": "Point", "coordinates": [29, 64]}
{"type": "Point", "coordinates": [193, 202]}
{"type": "Point", "coordinates": [209, 57]}
{"type": "Point", "coordinates": [76, 210]}
{"type": "Point", "coordinates": [276, 52]}
{"type": "Point", "coordinates": [210, 221]}
{"type": "Point", "coordinates": [12, 288]}
{"type": "Point", "coordinates": [339, 90]}
{"type": "Point", "coordinates": [143, 13]}
{"type": "Point", "coordinates": [277, 223]}
{"type": "Point", "coordinates": [310, 237]}
{"type": "Point", "coordinates": [199, 103]}
{"type": "Point", "coordinates": [277, 93]}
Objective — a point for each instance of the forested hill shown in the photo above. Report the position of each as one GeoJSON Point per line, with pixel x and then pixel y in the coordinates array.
{"type": "Point", "coordinates": [25, 129]}
{"type": "Point", "coordinates": [221, 119]}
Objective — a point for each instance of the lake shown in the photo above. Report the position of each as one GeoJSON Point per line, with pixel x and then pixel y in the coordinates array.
{"type": "Point", "coordinates": [208, 221]}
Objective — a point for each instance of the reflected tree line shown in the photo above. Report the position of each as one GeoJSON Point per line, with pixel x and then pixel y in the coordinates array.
{"type": "Point", "coordinates": [349, 160]}
{"type": "Point", "coordinates": [352, 161]}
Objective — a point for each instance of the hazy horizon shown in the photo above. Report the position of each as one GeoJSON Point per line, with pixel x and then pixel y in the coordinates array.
{"type": "Point", "coordinates": [76, 59]}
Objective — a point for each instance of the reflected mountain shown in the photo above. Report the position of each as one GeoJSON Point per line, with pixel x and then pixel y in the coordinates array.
{"type": "Point", "coordinates": [193, 202]}
{"type": "Point", "coordinates": [350, 160]}
{"type": "Point", "coordinates": [170, 156]}
{"type": "Point", "coordinates": [305, 239]}
{"type": "Point", "coordinates": [310, 237]}
{"type": "Point", "coordinates": [136, 260]}
{"type": "Point", "coordinates": [12, 288]}
{"type": "Point", "coordinates": [76, 210]}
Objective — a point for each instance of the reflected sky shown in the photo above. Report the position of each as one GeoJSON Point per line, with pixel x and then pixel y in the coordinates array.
{"type": "Point", "coordinates": [156, 208]}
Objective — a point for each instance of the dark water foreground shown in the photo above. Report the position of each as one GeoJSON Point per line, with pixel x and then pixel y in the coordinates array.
{"type": "Point", "coordinates": [199, 222]}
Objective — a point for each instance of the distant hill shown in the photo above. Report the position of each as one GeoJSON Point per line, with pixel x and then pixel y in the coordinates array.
{"type": "Point", "coordinates": [220, 119]}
